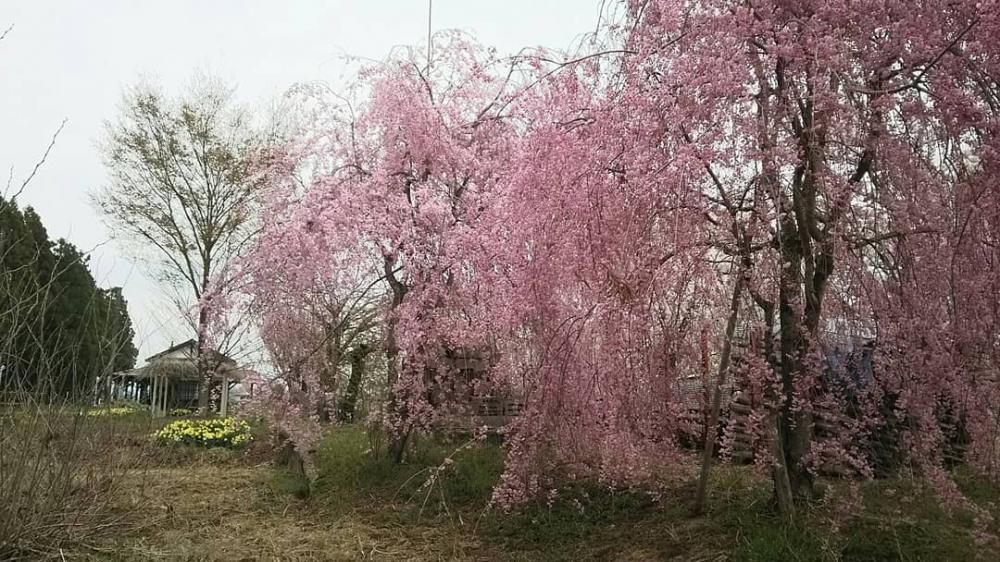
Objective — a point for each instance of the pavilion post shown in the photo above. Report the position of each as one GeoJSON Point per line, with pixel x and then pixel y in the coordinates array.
{"type": "Point", "coordinates": [166, 393]}
{"type": "Point", "coordinates": [225, 394]}
{"type": "Point", "coordinates": [154, 400]}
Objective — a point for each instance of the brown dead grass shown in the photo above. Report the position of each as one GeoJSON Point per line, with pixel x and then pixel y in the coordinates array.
{"type": "Point", "coordinates": [232, 513]}
{"type": "Point", "coordinates": [228, 506]}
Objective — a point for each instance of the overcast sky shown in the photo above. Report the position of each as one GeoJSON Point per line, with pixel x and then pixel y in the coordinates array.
{"type": "Point", "coordinates": [72, 58]}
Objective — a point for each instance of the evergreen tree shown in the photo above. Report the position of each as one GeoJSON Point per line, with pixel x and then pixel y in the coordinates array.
{"type": "Point", "coordinates": [59, 329]}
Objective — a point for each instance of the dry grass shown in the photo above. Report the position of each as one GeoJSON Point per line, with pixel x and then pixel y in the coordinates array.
{"type": "Point", "coordinates": [209, 512]}
{"type": "Point", "coordinates": [209, 506]}
{"type": "Point", "coordinates": [58, 473]}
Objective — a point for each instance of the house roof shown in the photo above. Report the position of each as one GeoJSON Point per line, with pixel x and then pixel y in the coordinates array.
{"type": "Point", "coordinates": [184, 368]}
{"type": "Point", "coordinates": [191, 345]}
{"type": "Point", "coordinates": [171, 349]}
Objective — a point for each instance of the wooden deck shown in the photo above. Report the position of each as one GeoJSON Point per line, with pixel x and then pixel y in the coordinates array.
{"type": "Point", "coordinates": [489, 413]}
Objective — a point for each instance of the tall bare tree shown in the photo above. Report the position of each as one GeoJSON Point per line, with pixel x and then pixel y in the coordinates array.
{"type": "Point", "coordinates": [182, 185]}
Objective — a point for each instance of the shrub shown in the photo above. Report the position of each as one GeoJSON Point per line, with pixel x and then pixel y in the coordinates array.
{"type": "Point", "coordinates": [218, 432]}
{"type": "Point", "coordinates": [60, 469]}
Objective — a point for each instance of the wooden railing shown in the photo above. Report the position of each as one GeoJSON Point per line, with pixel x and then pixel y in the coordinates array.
{"type": "Point", "coordinates": [486, 412]}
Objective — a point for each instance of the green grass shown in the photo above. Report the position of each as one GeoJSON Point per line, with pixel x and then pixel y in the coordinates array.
{"type": "Point", "coordinates": [349, 473]}
{"type": "Point", "coordinates": [585, 522]}
{"type": "Point", "coordinates": [901, 520]}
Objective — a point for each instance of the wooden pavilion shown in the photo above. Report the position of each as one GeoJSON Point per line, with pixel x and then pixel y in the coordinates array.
{"type": "Point", "coordinates": [169, 380]}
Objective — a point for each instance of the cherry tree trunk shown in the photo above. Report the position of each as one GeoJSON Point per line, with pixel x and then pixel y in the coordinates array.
{"type": "Point", "coordinates": [203, 366]}
{"type": "Point", "coordinates": [349, 403]}
{"type": "Point", "coordinates": [712, 422]}
{"type": "Point", "coordinates": [399, 435]}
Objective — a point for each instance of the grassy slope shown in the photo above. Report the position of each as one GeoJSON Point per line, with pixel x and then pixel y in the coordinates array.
{"type": "Point", "coordinates": [900, 520]}
{"type": "Point", "coordinates": [364, 509]}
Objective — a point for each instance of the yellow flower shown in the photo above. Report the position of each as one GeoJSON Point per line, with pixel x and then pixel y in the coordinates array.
{"type": "Point", "coordinates": [225, 432]}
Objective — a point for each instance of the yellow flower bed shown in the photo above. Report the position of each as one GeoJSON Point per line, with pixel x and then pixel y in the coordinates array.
{"type": "Point", "coordinates": [216, 432]}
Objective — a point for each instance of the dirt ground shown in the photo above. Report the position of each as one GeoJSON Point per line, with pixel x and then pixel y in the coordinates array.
{"type": "Point", "coordinates": [222, 513]}
{"type": "Point", "coordinates": [236, 513]}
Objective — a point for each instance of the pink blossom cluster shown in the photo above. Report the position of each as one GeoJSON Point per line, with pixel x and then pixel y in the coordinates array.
{"type": "Point", "coordinates": [584, 218]}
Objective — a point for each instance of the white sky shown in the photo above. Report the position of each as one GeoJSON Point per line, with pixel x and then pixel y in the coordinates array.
{"type": "Point", "coordinates": [71, 59]}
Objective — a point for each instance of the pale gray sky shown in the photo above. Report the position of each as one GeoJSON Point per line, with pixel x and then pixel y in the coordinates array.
{"type": "Point", "coordinates": [71, 58]}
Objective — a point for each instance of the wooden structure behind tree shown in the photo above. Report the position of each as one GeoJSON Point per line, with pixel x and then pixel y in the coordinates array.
{"type": "Point", "coordinates": [846, 359]}
{"type": "Point", "coordinates": [171, 380]}
{"type": "Point", "coordinates": [476, 403]}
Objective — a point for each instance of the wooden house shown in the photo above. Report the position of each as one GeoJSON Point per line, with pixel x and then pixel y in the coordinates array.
{"type": "Point", "coordinates": [169, 380]}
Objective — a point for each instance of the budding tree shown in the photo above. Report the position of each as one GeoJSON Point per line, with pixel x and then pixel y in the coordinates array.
{"type": "Point", "coordinates": [182, 186]}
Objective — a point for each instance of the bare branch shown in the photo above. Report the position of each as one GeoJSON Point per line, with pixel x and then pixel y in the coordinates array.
{"type": "Point", "coordinates": [40, 162]}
